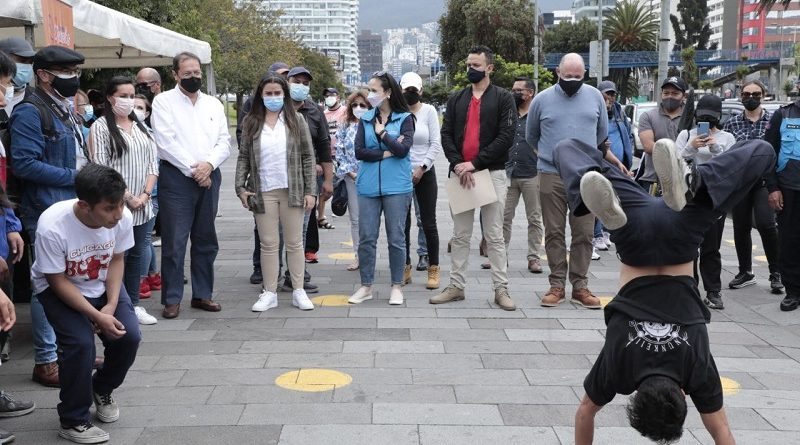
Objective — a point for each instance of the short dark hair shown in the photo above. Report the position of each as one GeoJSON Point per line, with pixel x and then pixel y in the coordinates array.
{"type": "Point", "coordinates": [483, 49]}
{"type": "Point", "coordinates": [180, 57]}
{"type": "Point", "coordinates": [7, 66]}
{"type": "Point", "coordinates": [658, 409]}
{"type": "Point", "coordinates": [758, 83]}
{"type": "Point", "coordinates": [528, 82]}
{"type": "Point", "coordinates": [96, 183]}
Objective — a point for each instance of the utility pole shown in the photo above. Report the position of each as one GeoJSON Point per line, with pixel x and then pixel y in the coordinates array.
{"type": "Point", "coordinates": [663, 48]}
{"type": "Point", "coordinates": [536, 46]}
{"type": "Point", "coordinates": [600, 46]}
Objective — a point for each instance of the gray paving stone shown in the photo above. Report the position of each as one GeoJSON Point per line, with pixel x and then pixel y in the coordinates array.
{"type": "Point", "coordinates": [767, 352]}
{"type": "Point", "coordinates": [470, 435]}
{"type": "Point", "coordinates": [548, 395]}
{"type": "Point", "coordinates": [736, 351]}
{"type": "Point", "coordinates": [384, 393]}
{"type": "Point", "coordinates": [391, 347]}
{"type": "Point", "coordinates": [210, 435]}
{"type": "Point", "coordinates": [776, 381]}
{"type": "Point", "coordinates": [436, 361]}
{"type": "Point", "coordinates": [386, 312]}
{"type": "Point", "coordinates": [423, 323]}
{"type": "Point", "coordinates": [347, 322]}
{"type": "Point", "coordinates": [478, 313]}
{"type": "Point", "coordinates": [749, 437]}
{"type": "Point", "coordinates": [360, 334]}
{"type": "Point", "coordinates": [534, 361]}
{"type": "Point", "coordinates": [154, 396]}
{"type": "Point", "coordinates": [287, 311]}
{"type": "Point", "coordinates": [559, 415]}
{"type": "Point", "coordinates": [739, 418]}
{"type": "Point", "coordinates": [765, 399]}
{"type": "Point", "coordinates": [289, 346]}
{"type": "Point", "coordinates": [545, 335]}
{"type": "Point", "coordinates": [187, 348]}
{"type": "Point", "coordinates": [574, 347]}
{"type": "Point", "coordinates": [494, 347]}
{"type": "Point", "coordinates": [583, 323]}
{"type": "Point", "coordinates": [459, 334]}
{"type": "Point", "coordinates": [350, 434]}
{"type": "Point", "coordinates": [265, 391]}
{"type": "Point", "coordinates": [516, 323]}
{"type": "Point", "coordinates": [178, 336]}
{"type": "Point", "coordinates": [324, 360]}
{"type": "Point", "coordinates": [121, 436]}
{"type": "Point", "coordinates": [306, 413]}
{"type": "Point", "coordinates": [758, 365]}
{"type": "Point", "coordinates": [563, 312]}
{"type": "Point", "coordinates": [244, 333]}
{"type": "Point", "coordinates": [734, 338]}
{"type": "Point", "coordinates": [510, 377]}
{"type": "Point", "coordinates": [223, 325]}
{"type": "Point", "coordinates": [604, 435]}
{"type": "Point", "coordinates": [221, 361]}
{"type": "Point", "coordinates": [559, 377]}
{"type": "Point", "coordinates": [179, 324]}
{"type": "Point", "coordinates": [153, 378]}
{"type": "Point", "coordinates": [227, 377]}
{"type": "Point", "coordinates": [179, 415]}
{"type": "Point", "coordinates": [435, 414]}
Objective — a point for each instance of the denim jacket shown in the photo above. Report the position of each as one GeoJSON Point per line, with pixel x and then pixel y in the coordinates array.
{"type": "Point", "coordinates": [46, 166]}
{"type": "Point", "coordinates": [12, 224]}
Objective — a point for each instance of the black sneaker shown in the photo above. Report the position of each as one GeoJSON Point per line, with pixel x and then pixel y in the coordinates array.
{"type": "Point", "coordinates": [255, 277]}
{"type": "Point", "coordinates": [309, 287]}
{"type": "Point", "coordinates": [13, 408]}
{"type": "Point", "coordinates": [790, 303]}
{"type": "Point", "coordinates": [743, 279]}
{"type": "Point", "coordinates": [775, 283]}
{"type": "Point", "coordinates": [714, 300]}
{"type": "Point", "coordinates": [423, 263]}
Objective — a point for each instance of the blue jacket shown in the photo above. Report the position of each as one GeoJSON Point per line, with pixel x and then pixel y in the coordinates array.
{"type": "Point", "coordinates": [11, 223]}
{"type": "Point", "coordinates": [378, 176]}
{"type": "Point", "coordinates": [627, 135]}
{"type": "Point", "coordinates": [46, 166]}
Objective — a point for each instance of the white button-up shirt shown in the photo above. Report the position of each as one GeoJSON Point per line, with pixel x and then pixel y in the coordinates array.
{"type": "Point", "coordinates": [273, 171]}
{"type": "Point", "coordinates": [188, 133]}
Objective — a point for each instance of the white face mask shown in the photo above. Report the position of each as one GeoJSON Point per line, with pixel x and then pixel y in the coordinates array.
{"type": "Point", "coordinates": [358, 112]}
{"type": "Point", "coordinates": [140, 114]}
{"type": "Point", "coordinates": [123, 106]}
{"type": "Point", "coordinates": [375, 99]}
{"type": "Point", "coordinates": [330, 101]}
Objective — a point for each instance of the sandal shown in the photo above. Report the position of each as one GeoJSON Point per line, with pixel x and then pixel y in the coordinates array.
{"type": "Point", "coordinates": [324, 224]}
{"type": "Point", "coordinates": [353, 266]}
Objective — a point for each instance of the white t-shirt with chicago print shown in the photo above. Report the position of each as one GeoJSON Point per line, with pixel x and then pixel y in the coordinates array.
{"type": "Point", "coordinates": [65, 245]}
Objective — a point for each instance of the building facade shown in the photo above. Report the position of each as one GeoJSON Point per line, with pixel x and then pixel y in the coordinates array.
{"type": "Point", "coordinates": [774, 30]}
{"type": "Point", "coordinates": [589, 9]}
{"type": "Point", "coordinates": [370, 53]}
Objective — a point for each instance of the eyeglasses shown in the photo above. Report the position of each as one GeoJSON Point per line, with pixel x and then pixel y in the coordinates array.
{"type": "Point", "coordinates": [65, 74]}
{"type": "Point", "coordinates": [749, 95]}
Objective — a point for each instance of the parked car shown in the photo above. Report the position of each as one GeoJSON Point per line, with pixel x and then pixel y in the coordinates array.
{"type": "Point", "coordinates": [634, 111]}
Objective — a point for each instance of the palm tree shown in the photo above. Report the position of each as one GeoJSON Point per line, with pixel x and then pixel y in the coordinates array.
{"type": "Point", "coordinates": [766, 5]}
{"type": "Point", "coordinates": [630, 27]}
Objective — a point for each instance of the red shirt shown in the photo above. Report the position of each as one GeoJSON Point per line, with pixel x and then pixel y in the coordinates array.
{"type": "Point", "coordinates": [472, 131]}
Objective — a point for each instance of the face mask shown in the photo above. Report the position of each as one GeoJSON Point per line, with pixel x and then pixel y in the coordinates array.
{"type": "Point", "coordinates": [88, 112]}
{"type": "Point", "coordinates": [474, 75]}
{"type": "Point", "coordinates": [298, 91]}
{"type": "Point", "coordinates": [671, 104]}
{"type": "Point", "coordinates": [191, 84]}
{"type": "Point", "coordinates": [358, 112]}
{"type": "Point", "coordinates": [570, 87]}
{"type": "Point", "coordinates": [751, 104]}
{"type": "Point", "coordinates": [518, 99]}
{"type": "Point", "coordinates": [123, 106]}
{"type": "Point", "coordinates": [273, 103]}
{"type": "Point", "coordinates": [24, 75]}
{"type": "Point", "coordinates": [412, 97]}
{"type": "Point", "coordinates": [141, 115]}
{"type": "Point", "coordinates": [9, 94]}
{"type": "Point", "coordinates": [330, 101]}
{"type": "Point", "coordinates": [375, 99]}
{"type": "Point", "coordinates": [66, 87]}
{"type": "Point", "coordinates": [145, 91]}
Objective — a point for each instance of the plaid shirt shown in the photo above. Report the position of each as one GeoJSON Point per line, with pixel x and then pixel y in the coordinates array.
{"type": "Point", "coordinates": [743, 129]}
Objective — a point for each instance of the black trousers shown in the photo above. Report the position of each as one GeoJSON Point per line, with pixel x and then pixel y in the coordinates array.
{"type": "Point", "coordinates": [754, 207]}
{"type": "Point", "coordinates": [789, 240]}
{"type": "Point", "coordinates": [710, 261]}
{"type": "Point", "coordinates": [427, 192]}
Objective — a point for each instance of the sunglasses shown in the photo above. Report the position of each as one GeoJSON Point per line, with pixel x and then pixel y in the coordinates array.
{"type": "Point", "coordinates": [749, 95]}
{"type": "Point", "coordinates": [358, 106]}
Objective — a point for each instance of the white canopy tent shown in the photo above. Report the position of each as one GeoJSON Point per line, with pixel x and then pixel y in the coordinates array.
{"type": "Point", "coordinates": [106, 38]}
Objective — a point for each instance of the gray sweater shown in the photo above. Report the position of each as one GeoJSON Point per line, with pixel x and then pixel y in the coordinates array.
{"type": "Point", "coordinates": [554, 116]}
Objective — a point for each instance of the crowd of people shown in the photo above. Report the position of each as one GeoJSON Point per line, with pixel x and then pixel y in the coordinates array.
{"type": "Point", "coordinates": [91, 176]}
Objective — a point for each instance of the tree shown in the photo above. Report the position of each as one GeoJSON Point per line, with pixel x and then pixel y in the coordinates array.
{"type": "Point", "coordinates": [568, 37]}
{"type": "Point", "coordinates": [692, 28]}
{"type": "Point", "coordinates": [689, 74]}
{"type": "Point", "coordinates": [630, 27]}
{"type": "Point", "coordinates": [505, 26]}
{"type": "Point", "coordinates": [766, 5]}
{"type": "Point", "coordinates": [320, 67]}
{"type": "Point", "coordinates": [505, 73]}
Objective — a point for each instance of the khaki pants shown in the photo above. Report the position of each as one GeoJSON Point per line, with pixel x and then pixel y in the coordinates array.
{"type": "Point", "coordinates": [492, 216]}
{"type": "Point", "coordinates": [554, 213]}
{"type": "Point", "coordinates": [276, 209]}
{"type": "Point", "coordinates": [528, 188]}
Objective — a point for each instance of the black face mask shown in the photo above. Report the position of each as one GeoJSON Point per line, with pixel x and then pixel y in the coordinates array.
{"type": "Point", "coordinates": [671, 104]}
{"type": "Point", "coordinates": [570, 86]}
{"type": "Point", "coordinates": [412, 97]}
{"type": "Point", "coordinates": [66, 87]}
{"type": "Point", "coordinates": [518, 99]}
{"type": "Point", "coordinates": [191, 84]}
{"type": "Point", "coordinates": [145, 91]}
{"type": "Point", "coordinates": [751, 104]}
{"type": "Point", "coordinates": [474, 75]}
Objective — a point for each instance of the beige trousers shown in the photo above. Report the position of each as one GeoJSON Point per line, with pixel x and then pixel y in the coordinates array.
{"type": "Point", "coordinates": [528, 189]}
{"type": "Point", "coordinates": [276, 209]}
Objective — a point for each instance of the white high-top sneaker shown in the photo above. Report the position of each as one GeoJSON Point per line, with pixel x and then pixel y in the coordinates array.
{"type": "Point", "coordinates": [300, 300]}
{"type": "Point", "coordinates": [267, 300]}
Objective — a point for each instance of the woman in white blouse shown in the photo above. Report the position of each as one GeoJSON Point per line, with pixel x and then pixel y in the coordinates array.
{"type": "Point", "coordinates": [123, 143]}
{"type": "Point", "coordinates": [276, 180]}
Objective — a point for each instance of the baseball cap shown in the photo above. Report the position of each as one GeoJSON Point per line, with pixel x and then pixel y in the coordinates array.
{"type": "Point", "coordinates": [55, 55]}
{"type": "Point", "coordinates": [709, 105]}
{"type": "Point", "coordinates": [296, 71]}
{"type": "Point", "coordinates": [330, 90]}
{"type": "Point", "coordinates": [411, 79]}
{"type": "Point", "coordinates": [606, 86]}
{"type": "Point", "coordinates": [676, 82]}
{"type": "Point", "coordinates": [17, 46]}
{"type": "Point", "coordinates": [278, 66]}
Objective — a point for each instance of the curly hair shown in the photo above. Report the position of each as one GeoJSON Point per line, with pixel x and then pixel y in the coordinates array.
{"type": "Point", "coordinates": [658, 410]}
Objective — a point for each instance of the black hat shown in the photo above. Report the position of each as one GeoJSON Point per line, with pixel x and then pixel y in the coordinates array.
{"type": "Point", "coordinates": [330, 91]}
{"type": "Point", "coordinates": [56, 56]}
{"type": "Point", "coordinates": [298, 70]}
{"type": "Point", "coordinates": [709, 105]}
{"type": "Point", "coordinates": [676, 82]}
{"type": "Point", "coordinates": [17, 46]}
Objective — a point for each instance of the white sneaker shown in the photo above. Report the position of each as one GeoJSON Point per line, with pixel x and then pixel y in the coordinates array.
{"type": "Point", "coordinates": [157, 243]}
{"type": "Point", "coordinates": [86, 433]}
{"type": "Point", "coordinates": [300, 300]}
{"type": "Point", "coordinates": [595, 255]}
{"type": "Point", "coordinates": [396, 296]}
{"type": "Point", "coordinates": [267, 300]}
{"type": "Point", "coordinates": [106, 408]}
{"type": "Point", "coordinates": [598, 243]}
{"type": "Point", "coordinates": [363, 294]}
{"type": "Point", "coordinates": [607, 239]}
{"type": "Point", "coordinates": [672, 171]}
{"type": "Point", "coordinates": [599, 197]}
{"type": "Point", "coordinates": [143, 316]}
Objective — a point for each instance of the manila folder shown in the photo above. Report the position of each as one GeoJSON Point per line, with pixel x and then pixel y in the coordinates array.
{"type": "Point", "coordinates": [462, 199]}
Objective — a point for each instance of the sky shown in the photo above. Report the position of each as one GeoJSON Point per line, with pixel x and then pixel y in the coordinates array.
{"type": "Point", "coordinates": [373, 14]}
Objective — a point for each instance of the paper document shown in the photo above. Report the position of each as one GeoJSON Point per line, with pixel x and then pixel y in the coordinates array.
{"type": "Point", "coordinates": [462, 199]}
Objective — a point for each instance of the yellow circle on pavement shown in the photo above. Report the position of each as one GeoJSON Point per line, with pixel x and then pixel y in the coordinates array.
{"type": "Point", "coordinates": [313, 380]}
{"type": "Point", "coordinates": [347, 243]}
{"type": "Point", "coordinates": [762, 258]}
{"type": "Point", "coordinates": [331, 300]}
{"type": "Point", "coordinates": [605, 300]}
{"type": "Point", "coordinates": [730, 386]}
{"type": "Point", "coordinates": [343, 256]}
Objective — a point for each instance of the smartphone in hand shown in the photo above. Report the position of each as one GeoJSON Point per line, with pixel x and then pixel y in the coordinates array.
{"type": "Point", "coordinates": [703, 129]}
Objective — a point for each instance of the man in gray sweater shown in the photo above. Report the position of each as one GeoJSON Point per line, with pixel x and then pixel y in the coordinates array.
{"type": "Point", "coordinates": [568, 109]}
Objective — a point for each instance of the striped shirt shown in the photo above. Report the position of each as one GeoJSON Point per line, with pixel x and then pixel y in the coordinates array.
{"type": "Point", "coordinates": [135, 165]}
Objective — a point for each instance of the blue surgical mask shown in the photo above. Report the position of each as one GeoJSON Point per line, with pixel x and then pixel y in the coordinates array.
{"type": "Point", "coordinates": [88, 113]}
{"type": "Point", "coordinates": [24, 75]}
{"type": "Point", "coordinates": [273, 103]}
{"type": "Point", "coordinates": [298, 91]}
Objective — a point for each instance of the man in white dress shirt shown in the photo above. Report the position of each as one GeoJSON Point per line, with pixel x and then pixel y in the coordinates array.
{"type": "Point", "coordinates": [191, 132]}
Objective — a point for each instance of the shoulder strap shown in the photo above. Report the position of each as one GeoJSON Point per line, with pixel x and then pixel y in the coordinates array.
{"type": "Point", "coordinates": [46, 117]}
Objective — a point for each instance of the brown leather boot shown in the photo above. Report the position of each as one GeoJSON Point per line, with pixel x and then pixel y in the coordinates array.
{"type": "Point", "coordinates": [46, 374]}
{"type": "Point", "coordinates": [407, 274]}
{"type": "Point", "coordinates": [553, 297]}
{"type": "Point", "coordinates": [433, 277]}
{"type": "Point", "coordinates": [585, 298]}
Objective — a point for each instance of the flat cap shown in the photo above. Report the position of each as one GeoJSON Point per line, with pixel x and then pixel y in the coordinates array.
{"type": "Point", "coordinates": [606, 86]}
{"type": "Point", "coordinates": [56, 56]}
{"type": "Point", "coordinates": [17, 46]}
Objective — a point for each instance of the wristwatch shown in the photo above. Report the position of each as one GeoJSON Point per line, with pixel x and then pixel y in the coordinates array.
{"type": "Point", "coordinates": [423, 167]}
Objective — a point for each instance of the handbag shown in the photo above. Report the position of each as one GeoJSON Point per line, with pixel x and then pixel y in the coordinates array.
{"type": "Point", "coordinates": [339, 199]}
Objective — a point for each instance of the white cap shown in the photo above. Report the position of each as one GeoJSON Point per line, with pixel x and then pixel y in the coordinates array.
{"type": "Point", "coordinates": [411, 80]}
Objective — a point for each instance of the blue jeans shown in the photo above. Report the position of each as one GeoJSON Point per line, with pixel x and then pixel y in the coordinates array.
{"type": "Point", "coordinates": [137, 257]}
{"type": "Point", "coordinates": [151, 265]}
{"type": "Point", "coordinates": [75, 333]}
{"type": "Point", "coordinates": [395, 209]}
{"type": "Point", "coordinates": [598, 228]}
{"type": "Point", "coordinates": [44, 338]}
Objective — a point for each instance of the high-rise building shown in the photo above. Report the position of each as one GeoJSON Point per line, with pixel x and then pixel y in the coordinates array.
{"type": "Point", "coordinates": [723, 20]}
{"type": "Point", "coordinates": [588, 9]}
{"type": "Point", "coordinates": [562, 15]}
{"type": "Point", "coordinates": [655, 7]}
{"type": "Point", "coordinates": [327, 26]}
{"type": "Point", "coordinates": [774, 30]}
{"type": "Point", "coordinates": [370, 53]}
